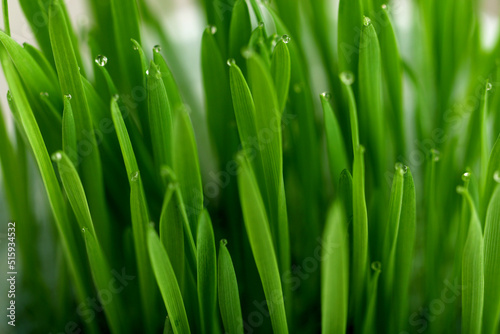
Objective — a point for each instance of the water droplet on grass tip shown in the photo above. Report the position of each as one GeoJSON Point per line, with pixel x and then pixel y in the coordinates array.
{"type": "Point", "coordinates": [101, 60]}
{"type": "Point", "coordinates": [400, 167]}
{"type": "Point", "coordinates": [44, 94]}
{"type": "Point", "coordinates": [68, 96]}
{"type": "Point", "coordinates": [489, 86]}
{"type": "Point", "coordinates": [231, 62]}
{"type": "Point", "coordinates": [347, 78]}
{"type": "Point", "coordinates": [223, 242]}
{"type": "Point", "coordinates": [286, 39]}
{"type": "Point", "coordinates": [157, 48]}
{"type": "Point", "coordinates": [135, 47]}
{"type": "Point", "coordinates": [496, 176]}
{"type": "Point", "coordinates": [116, 97]}
{"type": "Point", "coordinates": [134, 177]}
{"type": "Point", "coordinates": [147, 72]}
{"type": "Point", "coordinates": [212, 29]}
{"type": "Point", "coordinates": [83, 229]}
{"type": "Point", "coordinates": [57, 156]}
{"type": "Point", "coordinates": [466, 177]}
{"type": "Point", "coordinates": [435, 154]}
{"type": "Point", "coordinates": [326, 95]}
{"type": "Point", "coordinates": [366, 21]}
{"type": "Point", "coordinates": [384, 6]}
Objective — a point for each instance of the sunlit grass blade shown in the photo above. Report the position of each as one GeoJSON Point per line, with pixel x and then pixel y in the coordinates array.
{"type": "Point", "coordinates": [335, 272]}
{"type": "Point", "coordinates": [174, 96]}
{"type": "Point", "coordinates": [207, 275]}
{"type": "Point", "coordinates": [165, 278]}
{"type": "Point", "coordinates": [259, 234]}
{"type": "Point", "coordinates": [280, 70]}
{"type": "Point", "coordinates": [229, 298]}
{"type": "Point", "coordinates": [492, 264]}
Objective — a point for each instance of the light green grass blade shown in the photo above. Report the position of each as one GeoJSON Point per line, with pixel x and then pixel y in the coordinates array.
{"type": "Point", "coordinates": [239, 32]}
{"type": "Point", "coordinates": [160, 118]}
{"type": "Point", "coordinates": [360, 231]}
{"type": "Point", "coordinates": [335, 272]}
{"type": "Point", "coordinates": [187, 168]}
{"type": "Point", "coordinates": [472, 273]}
{"type": "Point", "coordinates": [174, 96]}
{"type": "Point", "coordinates": [369, 324]}
{"type": "Point", "coordinates": [280, 70]}
{"type": "Point", "coordinates": [71, 84]}
{"type": "Point", "coordinates": [337, 155]}
{"type": "Point", "coordinates": [32, 132]}
{"type": "Point", "coordinates": [493, 167]}
{"type": "Point", "coordinates": [372, 120]}
{"type": "Point", "coordinates": [167, 283]}
{"type": "Point", "coordinates": [492, 264]}
{"type": "Point", "coordinates": [100, 269]}
{"type": "Point", "coordinates": [256, 223]}
{"type": "Point", "coordinates": [207, 275]}
{"type": "Point", "coordinates": [229, 298]}
{"type": "Point", "coordinates": [42, 61]}
{"type": "Point", "coordinates": [69, 132]}
{"type": "Point", "coordinates": [347, 79]}
{"type": "Point", "coordinates": [350, 18]}
{"type": "Point", "coordinates": [124, 139]}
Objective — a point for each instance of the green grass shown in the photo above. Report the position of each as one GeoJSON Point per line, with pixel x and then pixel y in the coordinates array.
{"type": "Point", "coordinates": [351, 185]}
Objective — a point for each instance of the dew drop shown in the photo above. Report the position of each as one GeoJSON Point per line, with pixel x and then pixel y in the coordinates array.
{"type": "Point", "coordinates": [68, 96]}
{"type": "Point", "coordinates": [83, 229]}
{"type": "Point", "coordinates": [496, 176]}
{"type": "Point", "coordinates": [147, 72]}
{"type": "Point", "coordinates": [101, 60]}
{"type": "Point", "coordinates": [326, 95]}
{"type": "Point", "coordinates": [230, 62]}
{"type": "Point", "coordinates": [212, 29]}
{"type": "Point", "coordinates": [57, 156]}
{"type": "Point", "coordinates": [366, 21]}
{"type": "Point", "coordinates": [157, 48]}
{"type": "Point", "coordinates": [384, 6]}
{"type": "Point", "coordinates": [9, 96]}
{"type": "Point", "coordinates": [116, 97]}
{"type": "Point", "coordinates": [376, 266]}
{"type": "Point", "coordinates": [44, 94]}
{"type": "Point", "coordinates": [466, 177]}
{"type": "Point", "coordinates": [286, 39]}
{"type": "Point", "coordinates": [135, 47]}
{"type": "Point", "coordinates": [401, 168]}
{"type": "Point", "coordinates": [347, 78]}
{"type": "Point", "coordinates": [489, 86]}
{"type": "Point", "coordinates": [223, 242]}
{"type": "Point", "coordinates": [134, 177]}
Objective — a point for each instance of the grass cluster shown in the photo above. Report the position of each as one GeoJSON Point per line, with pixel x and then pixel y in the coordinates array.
{"type": "Point", "coordinates": [371, 208]}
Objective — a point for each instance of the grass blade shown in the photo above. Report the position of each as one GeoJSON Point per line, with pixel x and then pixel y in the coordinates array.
{"type": "Point", "coordinates": [280, 69]}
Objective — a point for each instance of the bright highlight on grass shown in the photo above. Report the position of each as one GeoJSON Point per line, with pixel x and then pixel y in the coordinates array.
{"type": "Point", "coordinates": [352, 183]}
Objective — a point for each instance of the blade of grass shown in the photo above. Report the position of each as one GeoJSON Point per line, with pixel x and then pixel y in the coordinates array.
{"type": "Point", "coordinates": [280, 70]}
{"type": "Point", "coordinates": [229, 298]}
{"type": "Point", "coordinates": [165, 278]}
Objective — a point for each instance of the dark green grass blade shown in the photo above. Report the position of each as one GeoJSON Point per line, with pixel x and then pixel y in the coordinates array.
{"type": "Point", "coordinates": [239, 32]}
{"type": "Point", "coordinates": [350, 18]}
{"type": "Point", "coordinates": [492, 265]}
{"type": "Point", "coordinates": [259, 234]}
{"type": "Point", "coordinates": [207, 275]}
{"type": "Point", "coordinates": [167, 283]}
{"type": "Point", "coordinates": [335, 272]}
{"type": "Point", "coordinates": [69, 132]}
{"type": "Point", "coordinates": [337, 155]}
{"type": "Point", "coordinates": [174, 96]}
{"type": "Point", "coordinates": [229, 298]}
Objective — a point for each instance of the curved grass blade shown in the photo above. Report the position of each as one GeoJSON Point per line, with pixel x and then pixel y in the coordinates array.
{"type": "Point", "coordinates": [492, 265]}
{"type": "Point", "coordinates": [472, 273]}
{"type": "Point", "coordinates": [207, 275]}
{"type": "Point", "coordinates": [174, 96]}
{"type": "Point", "coordinates": [165, 278]}
{"type": "Point", "coordinates": [229, 298]}
{"type": "Point", "coordinates": [335, 272]}
{"type": "Point", "coordinates": [259, 234]}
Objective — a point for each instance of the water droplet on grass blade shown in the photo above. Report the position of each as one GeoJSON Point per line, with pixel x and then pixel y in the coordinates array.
{"type": "Point", "coordinates": [116, 97]}
{"type": "Point", "coordinates": [157, 48]}
{"type": "Point", "coordinates": [44, 94]}
{"type": "Point", "coordinates": [286, 39]}
{"type": "Point", "coordinates": [496, 176]}
{"type": "Point", "coordinates": [147, 72]}
{"type": "Point", "coordinates": [401, 168]}
{"type": "Point", "coordinates": [134, 176]}
{"type": "Point", "coordinates": [347, 77]}
{"type": "Point", "coordinates": [57, 156]}
{"type": "Point", "coordinates": [135, 47]}
{"type": "Point", "coordinates": [231, 62]}
{"type": "Point", "coordinates": [489, 86]}
{"type": "Point", "coordinates": [466, 177]}
{"type": "Point", "coordinates": [384, 6]}
{"type": "Point", "coordinates": [223, 242]}
{"type": "Point", "coordinates": [68, 96]}
{"type": "Point", "coordinates": [367, 21]}
{"type": "Point", "coordinates": [435, 154]}
{"type": "Point", "coordinates": [101, 60]}
{"type": "Point", "coordinates": [212, 29]}
{"type": "Point", "coordinates": [326, 95]}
